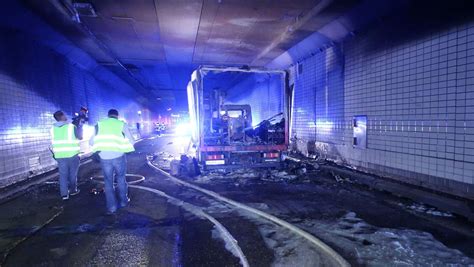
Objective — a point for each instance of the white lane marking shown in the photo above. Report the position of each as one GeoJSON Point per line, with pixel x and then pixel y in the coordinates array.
{"type": "Point", "coordinates": [339, 260]}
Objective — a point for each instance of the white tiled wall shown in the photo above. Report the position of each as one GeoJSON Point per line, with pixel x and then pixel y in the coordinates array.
{"type": "Point", "coordinates": [34, 83]}
{"type": "Point", "coordinates": [419, 99]}
{"type": "Point", "coordinates": [418, 95]}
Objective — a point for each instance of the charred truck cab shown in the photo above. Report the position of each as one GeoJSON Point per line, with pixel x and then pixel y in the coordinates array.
{"type": "Point", "coordinates": [239, 116]}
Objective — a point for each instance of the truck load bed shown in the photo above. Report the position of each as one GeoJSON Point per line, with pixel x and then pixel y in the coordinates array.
{"type": "Point", "coordinates": [239, 116]}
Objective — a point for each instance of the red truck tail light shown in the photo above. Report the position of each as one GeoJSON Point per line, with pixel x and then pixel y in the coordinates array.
{"type": "Point", "coordinates": [215, 157]}
{"type": "Point", "coordinates": [271, 155]}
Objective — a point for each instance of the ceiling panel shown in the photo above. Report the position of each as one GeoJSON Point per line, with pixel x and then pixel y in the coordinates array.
{"type": "Point", "coordinates": [178, 25]}
{"type": "Point", "coordinates": [161, 41]}
{"type": "Point", "coordinates": [127, 38]}
{"type": "Point", "coordinates": [240, 31]}
{"type": "Point", "coordinates": [139, 10]}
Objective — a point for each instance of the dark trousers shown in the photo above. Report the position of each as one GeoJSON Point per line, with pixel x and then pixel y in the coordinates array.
{"type": "Point", "coordinates": [68, 168]}
{"type": "Point", "coordinates": [117, 166]}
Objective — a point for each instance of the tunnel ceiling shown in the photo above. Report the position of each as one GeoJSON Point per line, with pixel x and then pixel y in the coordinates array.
{"type": "Point", "coordinates": [157, 43]}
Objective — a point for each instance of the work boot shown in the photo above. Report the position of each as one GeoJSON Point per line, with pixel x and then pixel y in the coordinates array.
{"type": "Point", "coordinates": [126, 204]}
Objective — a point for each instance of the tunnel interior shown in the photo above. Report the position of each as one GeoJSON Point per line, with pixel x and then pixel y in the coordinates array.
{"type": "Point", "coordinates": [260, 132]}
{"type": "Point", "coordinates": [407, 66]}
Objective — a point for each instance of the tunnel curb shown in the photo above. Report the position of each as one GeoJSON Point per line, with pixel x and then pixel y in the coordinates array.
{"type": "Point", "coordinates": [442, 201]}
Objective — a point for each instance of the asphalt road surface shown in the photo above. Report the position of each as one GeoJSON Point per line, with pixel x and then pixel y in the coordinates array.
{"type": "Point", "coordinates": [365, 227]}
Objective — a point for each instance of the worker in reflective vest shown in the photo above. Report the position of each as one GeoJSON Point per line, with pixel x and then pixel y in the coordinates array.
{"type": "Point", "coordinates": [65, 147]}
{"type": "Point", "coordinates": [112, 141]}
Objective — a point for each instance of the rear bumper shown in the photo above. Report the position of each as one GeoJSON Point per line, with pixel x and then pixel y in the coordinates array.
{"type": "Point", "coordinates": [249, 149]}
{"type": "Point", "coordinates": [243, 166]}
{"type": "Point", "coordinates": [242, 157]}
{"type": "Point", "coordinates": [215, 162]}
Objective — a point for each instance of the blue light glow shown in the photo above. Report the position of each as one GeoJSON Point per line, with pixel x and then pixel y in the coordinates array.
{"type": "Point", "coordinates": [324, 126]}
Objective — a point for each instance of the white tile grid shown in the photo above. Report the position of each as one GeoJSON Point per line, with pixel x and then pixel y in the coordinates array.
{"type": "Point", "coordinates": [313, 119]}
{"type": "Point", "coordinates": [421, 109]}
{"type": "Point", "coordinates": [304, 111]}
{"type": "Point", "coordinates": [35, 82]}
{"type": "Point", "coordinates": [418, 96]}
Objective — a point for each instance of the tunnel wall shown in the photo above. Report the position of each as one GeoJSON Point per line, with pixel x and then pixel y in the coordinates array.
{"type": "Point", "coordinates": [318, 112]}
{"type": "Point", "coordinates": [35, 81]}
{"type": "Point", "coordinates": [416, 88]}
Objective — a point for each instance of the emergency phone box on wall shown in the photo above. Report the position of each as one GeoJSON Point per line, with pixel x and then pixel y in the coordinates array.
{"type": "Point", "coordinates": [360, 132]}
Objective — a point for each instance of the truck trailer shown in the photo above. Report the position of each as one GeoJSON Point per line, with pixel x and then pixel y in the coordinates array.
{"type": "Point", "coordinates": [239, 116]}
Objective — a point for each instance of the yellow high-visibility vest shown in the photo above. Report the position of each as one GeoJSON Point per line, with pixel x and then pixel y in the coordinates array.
{"type": "Point", "coordinates": [110, 137]}
{"type": "Point", "coordinates": [64, 142]}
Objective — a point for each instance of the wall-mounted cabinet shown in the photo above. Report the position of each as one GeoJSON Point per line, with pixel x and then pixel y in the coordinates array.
{"type": "Point", "coordinates": [360, 132]}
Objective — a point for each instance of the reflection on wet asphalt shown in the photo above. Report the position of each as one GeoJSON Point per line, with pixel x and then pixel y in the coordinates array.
{"type": "Point", "coordinates": [402, 232]}
{"type": "Point", "coordinates": [366, 227]}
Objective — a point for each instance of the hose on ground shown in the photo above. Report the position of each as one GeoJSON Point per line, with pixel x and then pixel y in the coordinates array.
{"type": "Point", "coordinates": [139, 178]}
{"type": "Point", "coordinates": [197, 211]}
{"type": "Point", "coordinates": [338, 259]}
{"type": "Point", "coordinates": [8, 250]}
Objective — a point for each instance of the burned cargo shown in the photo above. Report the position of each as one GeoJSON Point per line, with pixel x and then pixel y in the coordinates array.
{"type": "Point", "coordinates": [239, 116]}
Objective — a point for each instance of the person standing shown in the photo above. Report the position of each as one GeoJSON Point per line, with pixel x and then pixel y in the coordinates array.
{"type": "Point", "coordinates": [112, 140]}
{"type": "Point", "coordinates": [65, 147]}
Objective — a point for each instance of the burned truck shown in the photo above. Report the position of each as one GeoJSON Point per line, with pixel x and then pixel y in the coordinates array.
{"type": "Point", "coordinates": [239, 116]}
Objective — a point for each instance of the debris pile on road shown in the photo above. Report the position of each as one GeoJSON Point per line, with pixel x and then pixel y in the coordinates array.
{"type": "Point", "coordinates": [244, 176]}
{"type": "Point", "coordinates": [294, 170]}
{"type": "Point", "coordinates": [185, 167]}
{"type": "Point", "coordinates": [237, 176]}
{"type": "Point", "coordinates": [163, 160]}
{"type": "Point", "coordinates": [422, 208]}
{"type": "Point", "coordinates": [276, 176]}
{"type": "Point", "coordinates": [340, 179]}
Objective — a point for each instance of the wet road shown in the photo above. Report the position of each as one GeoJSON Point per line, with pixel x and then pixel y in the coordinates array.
{"type": "Point", "coordinates": [39, 229]}
{"type": "Point", "coordinates": [364, 226]}
{"type": "Point", "coordinates": [367, 227]}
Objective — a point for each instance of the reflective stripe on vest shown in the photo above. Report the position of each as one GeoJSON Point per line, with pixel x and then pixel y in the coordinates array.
{"type": "Point", "coordinates": [63, 141]}
{"type": "Point", "coordinates": [110, 137]}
